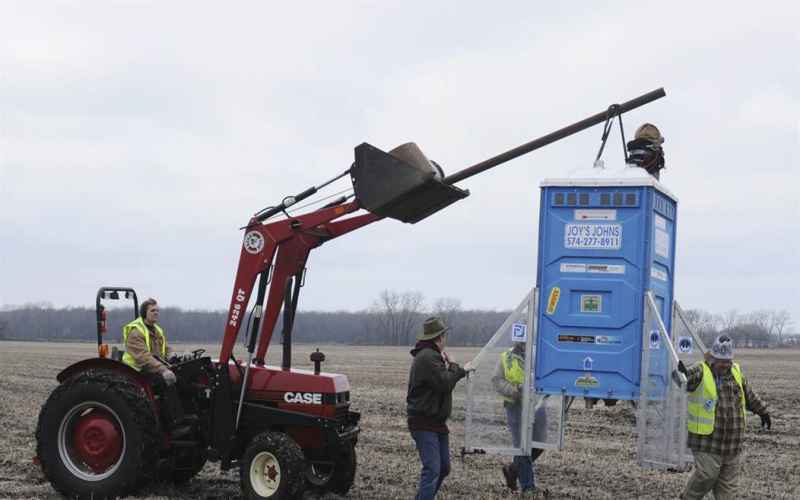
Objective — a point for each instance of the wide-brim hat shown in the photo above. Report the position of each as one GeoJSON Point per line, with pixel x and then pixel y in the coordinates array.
{"type": "Point", "coordinates": [649, 132]}
{"type": "Point", "coordinates": [432, 328]}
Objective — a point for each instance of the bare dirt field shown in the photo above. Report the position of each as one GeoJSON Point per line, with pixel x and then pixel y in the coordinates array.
{"type": "Point", "coordinates": [598, 460]}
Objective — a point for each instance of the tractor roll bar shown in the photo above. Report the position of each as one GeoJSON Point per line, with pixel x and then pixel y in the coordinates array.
{"type": "Point", "coordinates": [554, 136]}
{"type": "Point", "coordinates": [112, 293]}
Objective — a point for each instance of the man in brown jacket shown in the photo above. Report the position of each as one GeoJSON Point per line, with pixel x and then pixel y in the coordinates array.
{"type": "Point", "coordinates": [146, 350]}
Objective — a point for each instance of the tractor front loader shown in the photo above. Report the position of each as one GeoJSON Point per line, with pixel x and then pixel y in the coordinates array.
{"type": "Point", "coordinates": [103, 432]}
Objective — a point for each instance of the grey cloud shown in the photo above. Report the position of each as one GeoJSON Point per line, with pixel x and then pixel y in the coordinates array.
{"type": "Point", "coordinates": [167, 125]}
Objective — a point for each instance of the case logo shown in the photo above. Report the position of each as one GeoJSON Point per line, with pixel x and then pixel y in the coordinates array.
{"type": "Point", "coordinates": [306, 398]}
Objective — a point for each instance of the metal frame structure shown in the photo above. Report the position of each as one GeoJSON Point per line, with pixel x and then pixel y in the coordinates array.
{"type": "Point", "coordinates": [530, 404]}
{"type": "Point", "coordinates": [661, 409]}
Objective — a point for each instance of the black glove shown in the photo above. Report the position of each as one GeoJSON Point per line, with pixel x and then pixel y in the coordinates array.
{"type": "Point", "coordinates": [676, 377]}
{"type": "Point", "coordinates": [182, 357]}
{"type": "Point", "coordinates": [682, 368]}
{"type": "Point", "coordinates": [766, 421]}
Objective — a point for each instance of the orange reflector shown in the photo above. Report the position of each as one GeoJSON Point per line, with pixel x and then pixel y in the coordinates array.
{"type": "Point", "coordinates": [338, 210]}
{"type": "Point", "coordinates": [102, 350]}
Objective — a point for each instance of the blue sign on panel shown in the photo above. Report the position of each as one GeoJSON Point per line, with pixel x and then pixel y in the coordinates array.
{"type": "Point", "coordinates": [603, 242]}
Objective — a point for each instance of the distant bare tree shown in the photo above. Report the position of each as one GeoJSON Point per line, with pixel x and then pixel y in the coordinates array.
{"type": "Point", "coordinates": [749, 334]}
{"type": "Point", "coordinates": [447, 308]}
{"type": "Point", "coordinates": [762, 318]}
{"type": "Point", "coordinates": [728, 319]}
{"type": "Point", "coordinates": [781, 320]}
{"type": "Point", "coordinates": [397, 314]}
{"type": "Point", "coordinates": [703, 323]}
{"type": "Point", "coordinates": [772, 321]}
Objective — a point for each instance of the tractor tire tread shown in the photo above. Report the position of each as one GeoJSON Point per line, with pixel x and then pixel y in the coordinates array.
{"type": "Point", "coordinates": [345, 472]}
{"type": "Point", "coordinates": [291, 459]}
{"type": "Point", "coordinates": [144, 419]}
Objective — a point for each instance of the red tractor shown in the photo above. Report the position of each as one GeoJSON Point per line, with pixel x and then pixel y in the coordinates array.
{"type": "Point", "coordinates": [103, 432]}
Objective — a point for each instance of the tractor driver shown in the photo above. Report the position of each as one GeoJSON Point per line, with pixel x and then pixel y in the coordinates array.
{"type": "Point", "coordinates": [146, 350]}
{"type": "Point", "coordinates": [145, 343]}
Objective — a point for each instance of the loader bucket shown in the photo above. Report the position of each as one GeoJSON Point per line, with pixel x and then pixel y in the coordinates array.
{"type": "Point", "coordinates": [402, 184]}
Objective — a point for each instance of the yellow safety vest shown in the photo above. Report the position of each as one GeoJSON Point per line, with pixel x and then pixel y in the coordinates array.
{"type": "Point", "coordinates": [513, 370]}
{"type": "Point", "coordinates": [703, 401]}
{"type": "Point", "coordinates": [138, 324]}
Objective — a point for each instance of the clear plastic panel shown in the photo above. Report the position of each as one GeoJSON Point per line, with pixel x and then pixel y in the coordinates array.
{"type": "Point", "coordinates": [492, 424]}
{"type": "Point", "coordinates": [661, 413]}
{"type": "Point", "coordinates": [689, 348]}
{"type": "Point", "coordinates": [547, 421]}
{"type": "Point", "coordinates": [688, 345]}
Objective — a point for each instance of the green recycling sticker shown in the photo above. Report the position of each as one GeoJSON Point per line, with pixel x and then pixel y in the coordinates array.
{"type": "Point", "coordinates": [591, 303]}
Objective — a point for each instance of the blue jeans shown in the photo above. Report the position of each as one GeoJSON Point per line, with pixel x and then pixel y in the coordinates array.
{"type": "Point", "coordinates": [522, 463]}
{"type": "Point", "coordinates": [434, 452]}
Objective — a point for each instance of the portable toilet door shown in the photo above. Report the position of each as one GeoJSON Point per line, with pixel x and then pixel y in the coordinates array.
{"type": "Point", "coordinates": [605, 238]}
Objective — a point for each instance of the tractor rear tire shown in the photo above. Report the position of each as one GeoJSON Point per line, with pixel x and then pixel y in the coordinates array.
{"type": "Point", "coordinates": [97, 436]}
{"type": "Point", "coordinates": [272, 468]}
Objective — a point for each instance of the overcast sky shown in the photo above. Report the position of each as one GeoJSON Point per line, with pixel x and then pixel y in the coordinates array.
{"type": "Point", "coordinates": [137, 137]}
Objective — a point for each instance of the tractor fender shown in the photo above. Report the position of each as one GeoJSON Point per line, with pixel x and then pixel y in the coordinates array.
{"type": "Point", "coordinates": [106, 365]}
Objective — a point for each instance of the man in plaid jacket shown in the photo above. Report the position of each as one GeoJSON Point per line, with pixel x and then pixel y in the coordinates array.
{"type": "Point", "coordinates": [718, 397]}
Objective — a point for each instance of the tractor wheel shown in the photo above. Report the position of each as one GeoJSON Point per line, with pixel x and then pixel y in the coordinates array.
{"type": "Point", "coordinates": [97, 436]}
{"type": "Point", "coordinates": [338, 475]}
{"type": "Point", "coordinates": [344, 472]}
{"type": "Point", "coordinates": [272, 467]}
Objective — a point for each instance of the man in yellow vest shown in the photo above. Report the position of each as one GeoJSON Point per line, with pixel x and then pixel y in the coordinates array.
{"type": "Point", "coordinates": [718, 397]}
{"type": "Point", "coordinates": [508, 380]}
{"type": "Point", "coordinates": [146, 350]}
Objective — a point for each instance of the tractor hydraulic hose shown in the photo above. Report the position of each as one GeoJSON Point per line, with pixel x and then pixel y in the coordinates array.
{"type": "Point", "coordinates": [292, 292]}
{"type": "Point", "coordinates": [552, 137]}
{"type": "Point", "coordinates": [251, 347]}
{"type": "Point", "coordinates": [287, 202]}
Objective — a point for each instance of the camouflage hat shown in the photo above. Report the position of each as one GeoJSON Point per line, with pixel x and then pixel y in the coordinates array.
{"type": "Point", "coordinates": [722, 348]}
{"type": "Point", "coordinates": [432, 328]}
{"type": "Point", "coordinates": [649, 132]}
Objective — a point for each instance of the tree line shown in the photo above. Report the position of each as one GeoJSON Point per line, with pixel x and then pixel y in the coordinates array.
{"type": "Point", "coordinates": [393, 318]}
{"type": "Point", "coordinates": [761, 328]}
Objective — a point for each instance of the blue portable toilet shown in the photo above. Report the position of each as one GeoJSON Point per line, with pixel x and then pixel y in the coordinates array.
{"type": "Point", "coordinates": [606, 236]}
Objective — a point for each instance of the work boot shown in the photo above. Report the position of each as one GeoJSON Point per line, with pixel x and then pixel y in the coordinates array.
{"type": "Point", "coordinates": [510, 474]}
